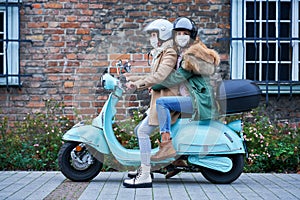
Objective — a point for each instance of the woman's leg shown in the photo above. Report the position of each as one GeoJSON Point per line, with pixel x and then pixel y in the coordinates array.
{"type": "Point", "coordinates": [164, 105]}
{"type": "Point", "coordinates": [143, 133]}
{"type": "Point", "coordinates": [143, 177]}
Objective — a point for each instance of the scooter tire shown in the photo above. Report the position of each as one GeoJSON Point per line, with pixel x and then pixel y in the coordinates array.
{"type": "Point", "coordinates": [65, 165]}
{"type": "Point", "coordinates": [218, 177]}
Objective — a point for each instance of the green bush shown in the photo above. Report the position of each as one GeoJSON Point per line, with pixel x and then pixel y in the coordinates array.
{"type": "Point", "coordinates": [272, 147]}
{"type": "Point", "coordinates": [33, 144]}
{"type": "Point", "coordinates": [124, 131]}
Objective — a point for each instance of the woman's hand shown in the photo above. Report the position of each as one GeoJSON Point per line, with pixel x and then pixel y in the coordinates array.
{"type": "Point", "coordinates": [126, 75]}
{"type": "Point", "coordinates": [130, 86]}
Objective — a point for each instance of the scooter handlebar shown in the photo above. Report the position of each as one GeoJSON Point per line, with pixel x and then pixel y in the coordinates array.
{"type": "Point", "coordinates": [109, 82]}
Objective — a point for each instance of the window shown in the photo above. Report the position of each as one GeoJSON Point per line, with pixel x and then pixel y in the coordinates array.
{"type": "Point", "coordinates": [9, 42]}
{"type": "Point", "coordinates": [265, 43]}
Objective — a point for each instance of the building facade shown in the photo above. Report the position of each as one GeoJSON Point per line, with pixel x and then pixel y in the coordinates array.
{"type": "Point", "coordinates": [59, 49]}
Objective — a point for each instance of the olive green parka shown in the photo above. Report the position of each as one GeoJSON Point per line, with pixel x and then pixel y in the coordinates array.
{"type": "Point", "coordinates": [197, 65]}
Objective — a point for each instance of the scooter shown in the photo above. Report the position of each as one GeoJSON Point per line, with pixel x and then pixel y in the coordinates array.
{"type": "Point", "coordinates": [215, 149]}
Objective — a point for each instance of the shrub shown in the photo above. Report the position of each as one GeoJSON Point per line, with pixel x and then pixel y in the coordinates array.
{"type": "Point", "coordinates": [272, 147]}
{"type": "Point", "coordinates": [33, 144]}
{"type": "Point", "coordinates": [124, 131]}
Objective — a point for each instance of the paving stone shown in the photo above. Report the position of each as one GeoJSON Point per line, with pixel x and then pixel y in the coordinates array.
{"type": "Point", "coordinates": [19, 185]}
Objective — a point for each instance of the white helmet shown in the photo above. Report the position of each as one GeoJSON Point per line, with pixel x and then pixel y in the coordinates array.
{"type": "Point", "coordinates": [162, 26]}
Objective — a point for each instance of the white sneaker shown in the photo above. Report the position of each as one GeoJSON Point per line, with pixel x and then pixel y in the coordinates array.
{"type": "Point", "coordinates": [133, 174]}
{"type": "Point", "coordinates": [142, 179]}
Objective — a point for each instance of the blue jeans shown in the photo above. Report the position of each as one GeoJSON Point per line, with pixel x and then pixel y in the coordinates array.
{"type": "Point", "coordinates": [172, 103]}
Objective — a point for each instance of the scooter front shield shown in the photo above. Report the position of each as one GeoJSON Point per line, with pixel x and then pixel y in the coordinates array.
{"type": "Point", "coordinates": [90, 135]}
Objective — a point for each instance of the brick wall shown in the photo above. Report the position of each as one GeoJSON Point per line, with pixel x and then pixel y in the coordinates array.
{"type": "Point", "coordinates": [73, 41]}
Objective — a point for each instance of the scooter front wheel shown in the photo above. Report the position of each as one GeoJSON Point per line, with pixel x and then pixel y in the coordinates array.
{"type": "Point", "coordinates": [226, 177]}
{"type": "Point", "coordinates": [77, 163]}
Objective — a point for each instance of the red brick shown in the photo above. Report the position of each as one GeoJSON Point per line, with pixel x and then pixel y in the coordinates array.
{"type": "Point", "coordinates": [34, 104]}
{"type": "Point", "coordinates": [116, 57]}
{"type": "Point", "coordinates": [137, 57]}
{"type": "Point", "coordinates": [54, 78]}
{"type": "Point", "coordinates": [147, 70]}
{"type": "Point", "coordinates": [69, 84]}
{"type": "Point", "coordinates": [68, 98]}
{"type": "Point", "coordinates": [140, 63]}
{"type": "Point", "coordinates": [90, 111]}
{"type": "Point", "coordinates": [36, 6]}
{"type": "Point", "coordinates": [55, 38]}
{"type": "Point", "coordinates": [82, 31]}
{"type": "Point", "coordinates": [37, 25]}
{"type": "Point", "coordinates": [100, 63]}
{"type": "Point", "coordinates": [70, 25]}
{"type": "Point", "coordinates": [106, 32]}
{"type": "Point", "coordinates": [19, 98]}
{"type": "Point", "coordinates": [84, 98]}
{"type": "Point", "coordinates": [53, 5]}
{"type": "Point", "coordinates": [71, 18]}
{"type": "Point", "coordinates": [54, 31]}
{"type": "Point", "coordinates": [88, 12]}
{"type": "Point", "coordinates": [86, 37]}
{"type": "Point", "coordinates": [84, 91]}
{"type": "Point", "coordinates": [71, 56]}
{"type": "Point", "coordinates": [82, 6]}
{"type": "Point", "coordinates": [84, 104]}
{"type": "Point", "coordinates": [72, 63]}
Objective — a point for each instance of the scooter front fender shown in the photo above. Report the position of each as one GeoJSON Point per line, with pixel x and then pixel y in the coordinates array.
{"type": "Point", "coordinates": [90, 135]}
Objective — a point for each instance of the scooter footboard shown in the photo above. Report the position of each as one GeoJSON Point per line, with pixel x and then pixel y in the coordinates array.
{"type": "Point", "coordinates": [90, 135]}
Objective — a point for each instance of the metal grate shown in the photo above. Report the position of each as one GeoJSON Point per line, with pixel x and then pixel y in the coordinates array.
{"type": "Point", "coordinates": [264, 44]}
{"type": "Point", "coordinates": [9, 45]}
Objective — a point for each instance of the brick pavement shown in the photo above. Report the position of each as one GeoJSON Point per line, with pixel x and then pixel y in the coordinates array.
{"type": "Point", "coordinates": [17, 185]}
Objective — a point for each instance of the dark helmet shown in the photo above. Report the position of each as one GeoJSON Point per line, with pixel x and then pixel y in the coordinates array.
{"type": "Point", "coordinates": [184, 23]}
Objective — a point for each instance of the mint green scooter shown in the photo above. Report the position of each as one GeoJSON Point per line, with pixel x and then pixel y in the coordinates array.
{"type": "Point", "coordinates": [215, 149]}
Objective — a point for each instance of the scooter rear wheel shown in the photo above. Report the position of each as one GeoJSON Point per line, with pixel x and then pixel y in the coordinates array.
{"type": "Point", "coordinates": [72, 172]}
{"type": "Point", "coordinates": [226, 177]}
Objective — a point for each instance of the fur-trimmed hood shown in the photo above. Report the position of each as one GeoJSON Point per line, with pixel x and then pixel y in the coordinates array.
{"type": "Point", "coordinates": [200, 51]}
{"type": "Point", "coordinates": [199, 59]}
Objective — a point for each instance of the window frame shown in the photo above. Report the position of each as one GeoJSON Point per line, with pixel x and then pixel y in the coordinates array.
{"type": "Point", "coordinates": [238, 48]}
{"type": "Point", "coordinates": [11, 43]}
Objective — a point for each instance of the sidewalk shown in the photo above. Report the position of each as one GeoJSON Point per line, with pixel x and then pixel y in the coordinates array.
{"type": "Point", "coordinates": [17, 185]}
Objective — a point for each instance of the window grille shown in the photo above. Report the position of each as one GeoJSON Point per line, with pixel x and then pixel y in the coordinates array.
{"type": "Point", "coordinates": [10, 42]}
{"type": "Point", "coordinates": [264, 44]}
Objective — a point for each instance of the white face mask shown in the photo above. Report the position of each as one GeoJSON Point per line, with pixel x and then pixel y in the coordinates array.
{"type": "Point", "coordinates": [154, 42]}
{"type": "Point", "coordinates": [182, 40]}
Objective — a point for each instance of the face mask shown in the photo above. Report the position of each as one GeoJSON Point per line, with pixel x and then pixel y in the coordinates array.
{"type": "Point", "coordinates": [154, 42]}
{"type": "Point", "coordinates": [182, 40]}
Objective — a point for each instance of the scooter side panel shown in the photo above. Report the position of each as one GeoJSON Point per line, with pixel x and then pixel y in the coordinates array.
{"type": "Point", "coordinates": [204, 138]}
{"type": "Point", "coordinates": [222, 164]}
{"type": "Point", "coordinates": [90, 135]}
